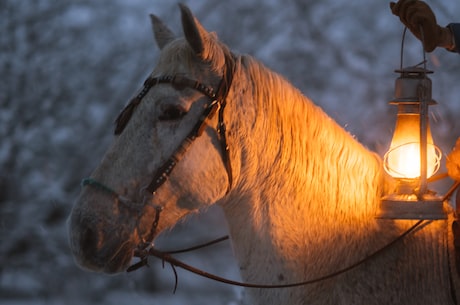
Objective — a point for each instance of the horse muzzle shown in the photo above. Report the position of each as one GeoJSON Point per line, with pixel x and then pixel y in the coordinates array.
{"type": "Point", "coordinates": [100, 247]}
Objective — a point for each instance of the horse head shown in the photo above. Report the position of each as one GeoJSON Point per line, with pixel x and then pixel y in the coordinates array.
{"type": "Point", "coordinates": [120, 204]}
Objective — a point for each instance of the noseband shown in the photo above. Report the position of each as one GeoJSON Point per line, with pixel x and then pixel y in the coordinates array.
{"type": "Point", "coordinates": [217, 102]}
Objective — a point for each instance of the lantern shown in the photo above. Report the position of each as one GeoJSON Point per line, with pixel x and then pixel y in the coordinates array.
{"type": "Point", "coordinates": [412, 157]}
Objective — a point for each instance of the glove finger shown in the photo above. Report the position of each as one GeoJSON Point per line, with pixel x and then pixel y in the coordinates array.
{"type": "Point", "coordinates": [419, 24]}
{"type": "Point", "coordinates": [415, 20]}
{"type": "Point", "coordinates": [420, 11]}
{"type": "Point", "coordinates": [392, 5]}
{"type": "Point", "coordinates": [396, 7]}
{"type": "Point", "coordinates": [429, 38]}
{"type": "Point", "coordinates": [405, 8]}
{"type": "Point", "coordinates": [421, 18]}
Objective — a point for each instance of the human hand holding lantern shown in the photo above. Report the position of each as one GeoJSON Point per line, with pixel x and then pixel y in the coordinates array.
{"type": "Point", "coordinates": [419, 18]}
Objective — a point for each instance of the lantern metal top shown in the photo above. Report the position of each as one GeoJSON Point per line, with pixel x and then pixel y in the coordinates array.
{"type": "Point", "coordinates": [414, 71]}
{"type": "Point", "coordinates": [409, 84]}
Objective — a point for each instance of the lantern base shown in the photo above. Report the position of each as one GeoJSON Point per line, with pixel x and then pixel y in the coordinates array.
{"type": "Point", "coordinates": [398, 207]}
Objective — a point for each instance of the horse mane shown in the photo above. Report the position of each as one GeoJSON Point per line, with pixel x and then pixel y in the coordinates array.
{"type": "Point", "coordinates": [298, 138]}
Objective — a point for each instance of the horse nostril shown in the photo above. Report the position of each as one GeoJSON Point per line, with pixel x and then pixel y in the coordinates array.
{"type": "Point", "coordinates": [89, 241]}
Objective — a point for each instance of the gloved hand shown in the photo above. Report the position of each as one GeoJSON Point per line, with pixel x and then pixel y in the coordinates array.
{"type": "Point", "coordinates": [453, 162]}
{"type": "Point", "coordinates": [417, 16]}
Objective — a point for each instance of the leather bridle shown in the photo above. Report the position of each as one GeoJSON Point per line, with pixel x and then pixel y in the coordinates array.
{"type": "Point", "coordinates": [216, 103]}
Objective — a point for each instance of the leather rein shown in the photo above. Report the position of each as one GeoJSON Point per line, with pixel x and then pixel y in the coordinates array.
{"type": "Point", "coordinates": [166, 256]}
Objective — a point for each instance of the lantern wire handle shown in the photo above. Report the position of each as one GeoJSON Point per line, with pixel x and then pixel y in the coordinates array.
{"type": "Point", "coordinates": [401, 55]}
{"type": "Point", "coordinates": [422, 38]}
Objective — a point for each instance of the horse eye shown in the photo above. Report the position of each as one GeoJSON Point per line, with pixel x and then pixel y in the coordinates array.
{"type": "Point", "coordinates": [172, 113]}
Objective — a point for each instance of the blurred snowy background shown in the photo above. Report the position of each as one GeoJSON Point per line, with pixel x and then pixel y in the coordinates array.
{"type": "Point", "coordinates": [68, 67]}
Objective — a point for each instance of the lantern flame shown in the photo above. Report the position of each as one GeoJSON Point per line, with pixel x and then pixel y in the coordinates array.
{"type": "Point", "coordinates": [403, 158]}
{"type": "Point", "coordinates": [404, 161]}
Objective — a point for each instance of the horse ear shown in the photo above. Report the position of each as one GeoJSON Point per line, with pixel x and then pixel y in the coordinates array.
{"type": "Point", "coordinates": [163, 35]}
{"type": "Point", "coordinates": [194, 32]}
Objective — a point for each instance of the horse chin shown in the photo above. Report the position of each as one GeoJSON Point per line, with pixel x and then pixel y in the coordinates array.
{"type": "Point", "coordinates": [120, 260]}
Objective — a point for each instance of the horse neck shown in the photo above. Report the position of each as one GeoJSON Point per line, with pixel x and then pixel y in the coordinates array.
{"type": "Point", "coordinates": [301, 177]}
{"type": "Point", "coordinates": [289, 148]}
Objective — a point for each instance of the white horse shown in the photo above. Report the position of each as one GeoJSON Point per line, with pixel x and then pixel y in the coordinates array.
{"type": "Point", "coordinates": [298, 192]}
